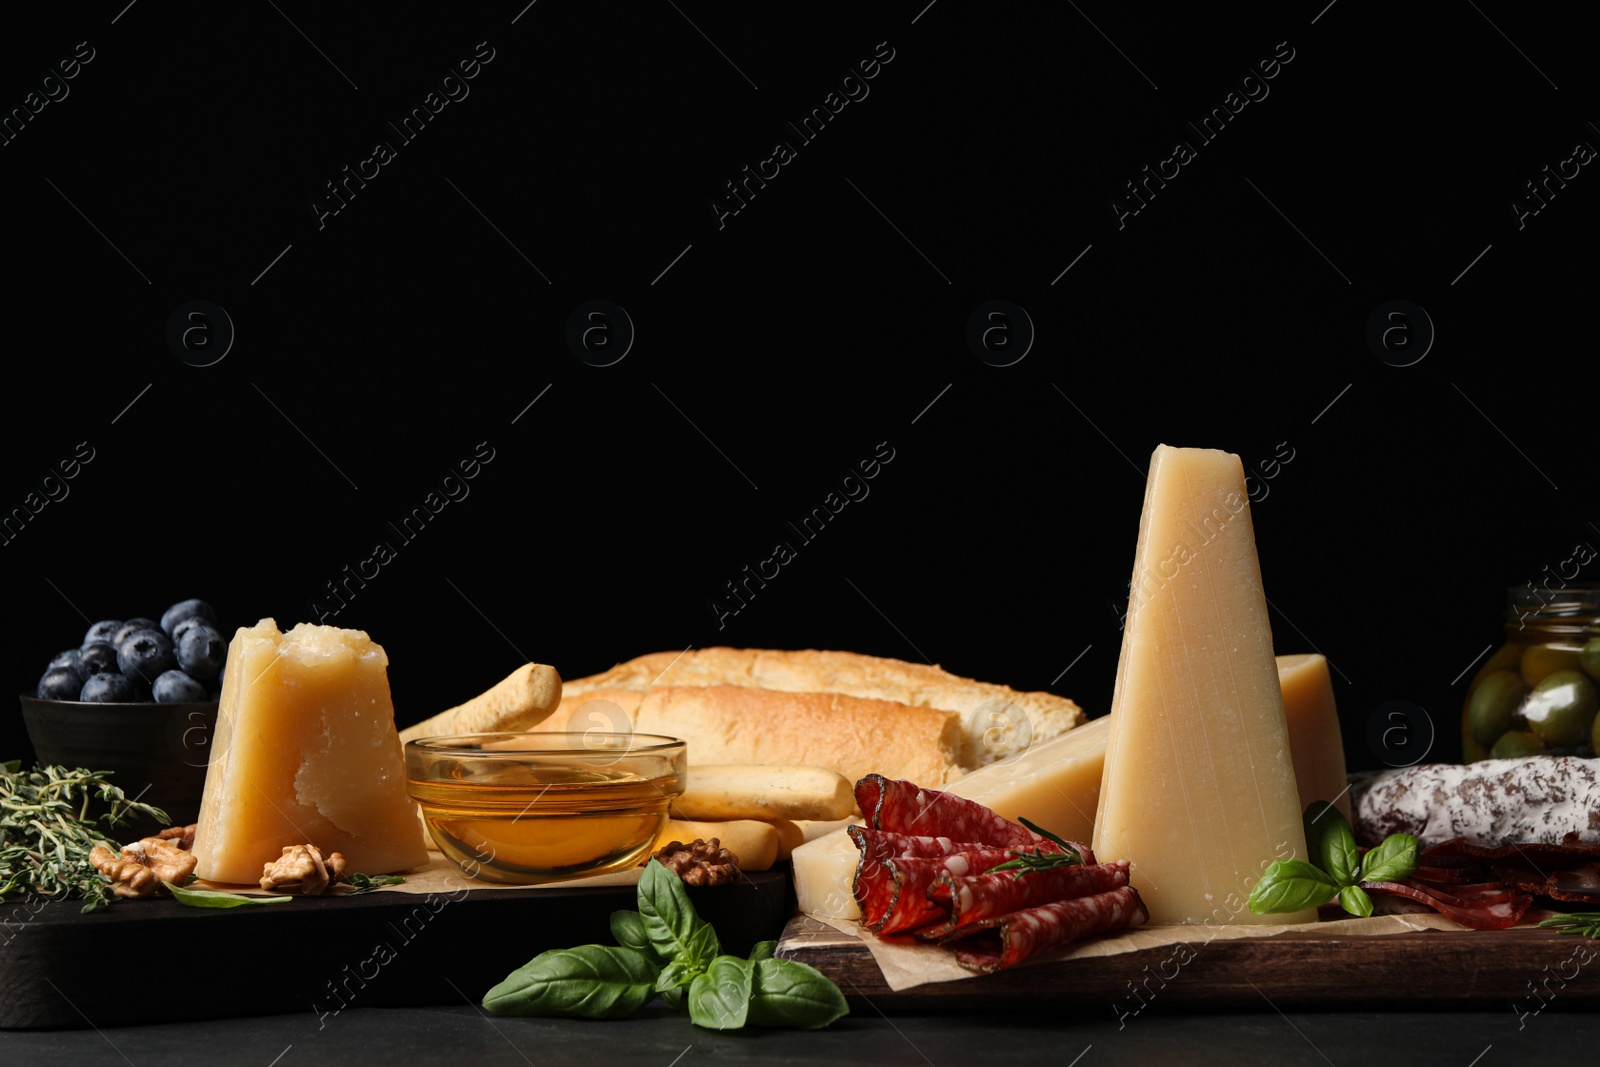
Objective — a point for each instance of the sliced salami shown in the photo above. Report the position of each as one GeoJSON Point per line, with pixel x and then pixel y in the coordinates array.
{"type": "Point", "coordinates": [895, 871]}
{"type": "Point", "coordinates": [978, 897]}
{"type": "Point", "coordinates": [1490, 910]}
{"type": "Point", "coordinates": [1006, 940]}
{"type": "Point", "coordinates": [906, 808]}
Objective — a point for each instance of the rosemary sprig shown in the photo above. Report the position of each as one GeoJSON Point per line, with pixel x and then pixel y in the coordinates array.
{"type": "Point", "coordinates": [1584, 923]}
{"type": "Point", "coordinates": [46, 834]}
{"type": "Point", "coordinates": [366, 883]}
{"type": "Point", "coordinates": [1032, 859]}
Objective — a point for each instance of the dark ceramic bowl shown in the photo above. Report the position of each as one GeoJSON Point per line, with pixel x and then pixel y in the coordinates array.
{"type": "Point", "coordinates": [157, 753]}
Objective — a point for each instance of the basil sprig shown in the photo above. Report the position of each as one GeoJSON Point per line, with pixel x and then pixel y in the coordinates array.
{"type": "Point", "coordinates": [666, 948]}
{"type": "Point", "coordinates": [1338, 870]}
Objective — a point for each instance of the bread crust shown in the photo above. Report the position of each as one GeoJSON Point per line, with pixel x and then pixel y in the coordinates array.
{"type": "Point", "coordinates": [852, 735]}
{"type": "Point", "coordinates": [989, 725]}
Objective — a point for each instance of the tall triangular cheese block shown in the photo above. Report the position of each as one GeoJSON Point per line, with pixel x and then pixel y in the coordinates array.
{"type": "Point", "coordinates": [1198, 792]}
{"type": "Point", "coordinates": [305, 752]}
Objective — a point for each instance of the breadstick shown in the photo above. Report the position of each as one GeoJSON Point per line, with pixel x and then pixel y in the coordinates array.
{"type": "Point", "coordinates": [526, 697]}
{"type": "Point", "coordinates": [767, 792]}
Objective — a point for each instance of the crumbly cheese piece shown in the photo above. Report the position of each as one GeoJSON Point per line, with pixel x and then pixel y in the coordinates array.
{"type": "Point", "coordinates": [1492, 802]}
{"type": "Point", "coordinates": [1199, 791]}
{"type": "Point", "coordinates": [305, 752]}
{"type": "Point", "coordinates": [1054, 784]}
{"type": "Point", "coordinates": [1314, 738]}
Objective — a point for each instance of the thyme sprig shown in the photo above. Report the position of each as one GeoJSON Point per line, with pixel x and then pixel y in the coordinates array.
{"type": "Point", "coordinates": [46, 833]}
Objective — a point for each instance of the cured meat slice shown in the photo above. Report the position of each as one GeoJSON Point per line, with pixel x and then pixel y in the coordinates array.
{"type": "Point", "coordinates": [906, 808]}
{"type": "Point", "coordinates": [1006, 940]}
{"type": "Point", "coordinates": [1568, 871]}
{"type": "Point", "coordinates": [977, 897]}
{"type": "Point", "coordinates": [1491, 911]}
{"type": "Point", "coordinates": [892, 890]}
{"type": "Point", "coordinates": [1532, 799]}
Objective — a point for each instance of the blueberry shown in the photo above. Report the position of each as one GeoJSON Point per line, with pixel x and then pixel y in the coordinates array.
{"type": "Point", "coordinates": [188, 624]}
{"type": "Point", "coordinates": [108, 688]}
{"type": "Point", "coordinates": [185, 609]}
{"type": "Point", "coordinates": [60, 683]}
{"type": "Point", "coordinates": [73, 658]}
{"type": "Point", "coordinates": [102, 631]}
{"type": "Point", "coordinates": [145, 654]}
{"type": "Point", "coordinates": [97, 658]}
{"type": "Point", "coordinates": [175, 687]}
{"type": "Point", "coordinates": [127, 629]}
{"type": "Point", "coordinates": [200, 652]}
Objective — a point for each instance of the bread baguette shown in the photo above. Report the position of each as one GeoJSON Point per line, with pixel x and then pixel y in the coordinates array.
{"type": "Point", "coordinates": [851, 735]}
{"type": "Point", "coordinates": [998, 721]}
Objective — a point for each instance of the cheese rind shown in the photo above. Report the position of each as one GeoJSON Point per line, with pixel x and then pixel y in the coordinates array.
{"type": "Point", "coordinates": [1314, 738]}
{"type": "Point", "coordinates": [1199, 791]}
{"type": "Point", "coordinates": [305, 751]}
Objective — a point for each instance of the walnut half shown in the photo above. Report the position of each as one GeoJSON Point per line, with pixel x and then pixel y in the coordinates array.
{"type": "Point", "coordinates": [700, 862]}
{"type": "Point", "coordinates": [141, 867]}
{"type": "Point", "coordinates": [302, 869]}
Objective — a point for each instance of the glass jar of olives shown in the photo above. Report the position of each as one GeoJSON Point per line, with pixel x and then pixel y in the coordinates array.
{"type": "Point", "coordinates": [1539, 694]}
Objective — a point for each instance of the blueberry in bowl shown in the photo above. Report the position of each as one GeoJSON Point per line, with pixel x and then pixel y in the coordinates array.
{"type": "Point", "coordinates": [137, 698]}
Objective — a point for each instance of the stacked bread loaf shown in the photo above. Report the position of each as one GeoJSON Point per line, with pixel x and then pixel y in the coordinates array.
{"type": "Point", "coordinates": [853, 713]}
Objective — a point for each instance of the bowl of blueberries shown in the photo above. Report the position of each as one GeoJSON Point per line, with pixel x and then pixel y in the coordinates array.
{"type": "Point", "coordinates": [138, 697]}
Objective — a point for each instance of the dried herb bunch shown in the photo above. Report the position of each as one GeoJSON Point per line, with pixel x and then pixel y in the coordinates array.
{"type": "Point", "coordinates": [46, 834]}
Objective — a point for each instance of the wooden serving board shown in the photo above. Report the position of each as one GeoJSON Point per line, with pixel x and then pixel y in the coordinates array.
{"type": "Point", "coordinates": [1432, 969]}
{"type": "Point", "coordinates": [148, 961]}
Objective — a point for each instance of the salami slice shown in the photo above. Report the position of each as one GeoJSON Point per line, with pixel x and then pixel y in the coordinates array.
{"type": "Point", "coordinates": [978, 897]}
{"type": "Point", "coordinates": [906, 808]}
{"type": "Point", "coordinates": [895, 871]}
{"type": "Point", "coordinates": [1488, 911]}
{"type": "Point", "coordinates": [1006, 940]}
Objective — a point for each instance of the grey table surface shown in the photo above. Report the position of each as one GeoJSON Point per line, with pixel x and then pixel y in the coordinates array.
{"type": "Point", "coordinates": [659, 1038]}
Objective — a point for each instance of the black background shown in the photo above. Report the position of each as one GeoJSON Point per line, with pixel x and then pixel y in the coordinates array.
{"type": "Point", "coordinates": [776, 351]}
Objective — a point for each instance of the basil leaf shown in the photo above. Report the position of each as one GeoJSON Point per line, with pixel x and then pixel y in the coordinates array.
{"type": "Point", "coordinates": [719, 999]}
{"type": "Point", "coordinates": [212, 898]}
{"type": "Point", "coordinates": [674, 997]}
{"type": "Point", "coordinates": [1291, 885]}
{"type": "Point", "coordinates": [675, 931]}
{"type": "Point", "coordinates": [588, 982]}
{"type": "Point", "coordinates": [763, 951]}
{"type": "Point", "coordinates": [1354, 899]}
{"type": "Point", "coordinates": [791, 993]}
{"type": "Point", "coordinates": [628, 928]}
{"type": "Point", "coordinates": [677, 975]}
{"type": "Point", "coordinates": [1330, 843]}
{"type": "Point", "coordinates": [1395, 858]}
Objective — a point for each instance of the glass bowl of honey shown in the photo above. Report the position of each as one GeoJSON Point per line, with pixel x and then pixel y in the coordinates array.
{"type": "Point", "coordinates": [524, 808]}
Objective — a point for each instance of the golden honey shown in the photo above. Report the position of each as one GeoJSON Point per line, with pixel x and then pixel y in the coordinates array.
{"type": "Point", "coordinates": [502, 813]}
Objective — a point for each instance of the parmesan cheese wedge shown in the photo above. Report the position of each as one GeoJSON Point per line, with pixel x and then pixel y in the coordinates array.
{"type": "Point", "coordinates": [305, 752]}
{"type": "Point", "coordinates": [1199, 791]}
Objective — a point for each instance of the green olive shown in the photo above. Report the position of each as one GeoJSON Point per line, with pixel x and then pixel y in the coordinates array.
{"type": "Point", "coordinates": [1594, 736]}
{"type": "Point", "coordinates": [1492, 706]}
{"type": "Point", "coordinates": [1471, 751]}
{"type": "Point", "coordinates": [1589, 658]}
{"type": "Point", "coordinates": [1561, 709]}
{"type": "Point", "coordinates": [1515, 744]}
{"type": "Point", "coordinates": [1541, 661]}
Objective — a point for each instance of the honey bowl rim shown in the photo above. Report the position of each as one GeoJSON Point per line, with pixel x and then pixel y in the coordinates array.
{"type": "Point", "coordinates": [436, 746]}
